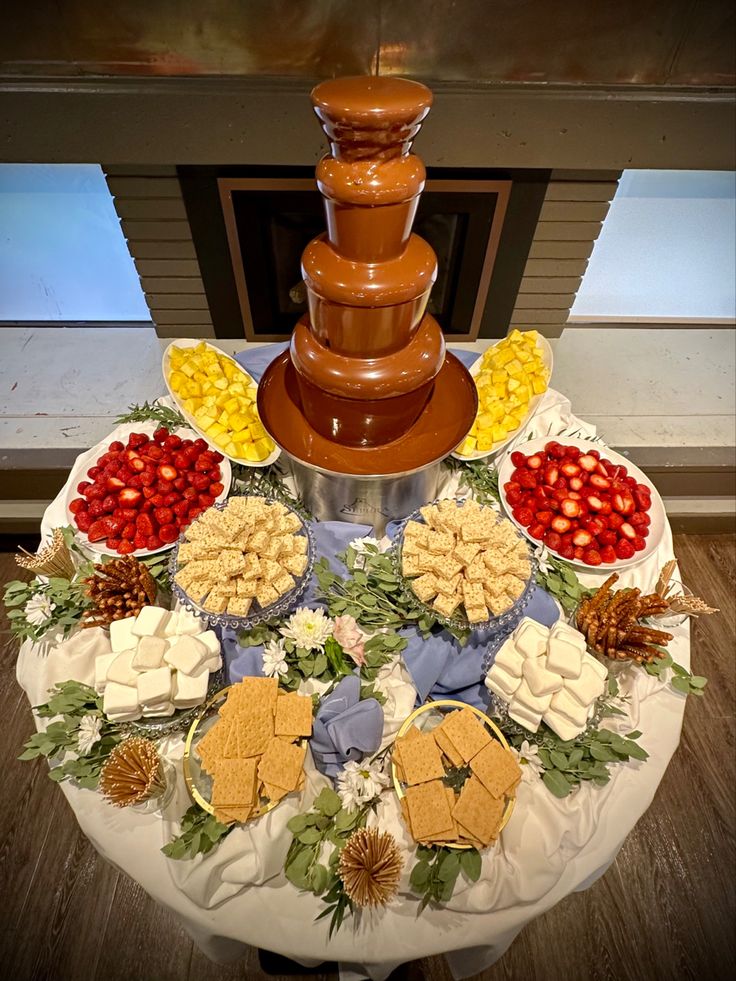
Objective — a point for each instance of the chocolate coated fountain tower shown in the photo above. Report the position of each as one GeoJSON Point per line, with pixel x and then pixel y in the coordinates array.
{"type": "Point", "coordinates": [367, 402]}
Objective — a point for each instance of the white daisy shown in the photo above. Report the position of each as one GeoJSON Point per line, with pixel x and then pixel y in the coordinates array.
{"type": "Point", "coordinates": [38, 609]}
{"type": "Point", "coordinates": [527, 755]}
{"type": "Point", "coordinates": [309, 629]}
{"type": "Point", "coordinates": [359, 783]}
{"type": "Point", "coordinates": [88, 733]}
{"type": "Point", "coordinates": [542, 555]}
{"type": "Point", "coordinates": [274, 659]}
{"type": "Point", "coordinates": [358, 545]}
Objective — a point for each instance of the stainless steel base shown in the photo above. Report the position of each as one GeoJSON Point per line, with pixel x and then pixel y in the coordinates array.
{"type": "Point", "coordinates": [373, 500]}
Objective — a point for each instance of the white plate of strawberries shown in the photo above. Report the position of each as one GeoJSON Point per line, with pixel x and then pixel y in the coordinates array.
{"type": "Point", "coordinates": [135, 492]}
{"type": "Point", "coordinates": [589, 505]}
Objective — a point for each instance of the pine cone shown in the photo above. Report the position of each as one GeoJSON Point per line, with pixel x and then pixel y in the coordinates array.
{"type": "Point", "coordinates": [118, 589]}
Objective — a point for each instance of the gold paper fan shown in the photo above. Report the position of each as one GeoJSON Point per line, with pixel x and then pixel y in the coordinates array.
{"type": "Point", "coordinates": [370, 867]}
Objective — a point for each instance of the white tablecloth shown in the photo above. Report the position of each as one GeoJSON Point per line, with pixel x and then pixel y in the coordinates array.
{"type": "Point", "coordinates": [238, 895]}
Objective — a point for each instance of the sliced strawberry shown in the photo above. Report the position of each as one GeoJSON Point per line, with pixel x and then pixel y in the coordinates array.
{"type": "Point", "coordinates": [567, 551]}
{"type": "Point", "coordinates": [552, 540]}
{"type": "Point", "coordinates": [537, 531]}
{"type": "Point", "coordinates": [125, 547]}
{"type": "Point", "coordinates": [570, 469]}
{"type": "Point", "coordinates": [591, 556]}
{"type": "Point", "coordinates": [570, 508]}
{"type": "Point", "coordinates": [144, 524]}
{"type": "Point", "coordinates": [602, 467]}
{"type": "Point", "coordinates": [595, 526]}
{"type": "Point", "coordinates": [551, 474]}
{"type": "Point", "coordinates": [582, 537]}
{"type": "Point", "coordinates": [594, 502]}
{"type": "Point", "coordinates": [626, 531]}
{"type": "Point", "coordinates": [167, 472]}
{"type": "Point", "coordinates": [524, 516]}
{"type": "Point", "coordinates": [190, 494]}
{"type": "Point", "coordinates": [97, 531]}
{"type": "Point", "coordinates": [624, 549]}
{"type": "Point", "coordinates": [164, 515]}
{"type": "Point", "coordinates": [576, 483]}
{"type": "Point", "coordinates": [129, 497]}
{"type": "Point", "coordinates": [168, 533]}
{"type": "Point", "coordinates": [578, 552]}
{"type": "Point", "coordinates": [638, 543]}
{"type": "Point", "coordinates": [607, 537]}
{"type": "Point", "coordinates": [83, 520]}
{"type": "Point", "coordinates": [137, 465]}
{"type": "Point", "coordinates": [114, 484]}
{"type": "Point", "coordinates": [77, 505]}
{"type": "Point", "coordinates": [622, 503]}
{"type": "Point", "coordinates": [588, 462]}
{"type": "Point", "coordinates": [601, 483]}
{"type": "Point", "coordinates": [574, 496]}
{"type": "Point", "coordinates": [608, 553]}
{"type": "Point", "coordinates": [560, 524]}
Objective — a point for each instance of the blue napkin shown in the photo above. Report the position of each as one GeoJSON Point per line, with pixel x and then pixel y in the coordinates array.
{"type": "Point", "coordinates": [345, 728]}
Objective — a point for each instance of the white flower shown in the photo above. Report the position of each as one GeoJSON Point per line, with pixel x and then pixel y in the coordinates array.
{"type": "Point", "coordinates": [542, 555]}
{"type": "Point", "coordinates": [528, 757]}
{"type": "Point", "coordinates": [358, 545]}
{"type": "Point", "coordinates": [88, 733]}
{"type": "Point", "coordinates": [308, 629]}
{"type": "Point", "coordinates": [38, 609]}
{"type": "Point", "coordinates": [359, 783]}
{"type": "Point", "coordinates": [274, 659]}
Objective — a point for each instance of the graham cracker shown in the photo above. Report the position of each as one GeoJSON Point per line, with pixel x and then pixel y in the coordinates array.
{"type": "Point", "coordinates": [234, 784]}
{"type": "Point", "coordinates": [496, 769]}
{"type": "Point", "coordinates": [293, 715]}
{"type": "Point", "coordinates": [468, 735]}
{"type": "Point", "coordinates": [281, 764]}
{"type": "Point", "coordinates": [421, 760]}
{"type": "Point", "coordinates": [477, 811]}
{"type": "Point", "coordinates": [446, 745]}
{"type": "Point", "coordinates": [428, 809]}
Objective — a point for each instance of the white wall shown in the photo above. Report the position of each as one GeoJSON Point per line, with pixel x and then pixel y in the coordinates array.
{"type": "Point", "coordinates": [667, 249]}
{"type": "Point", "coordinates": [62, 252]}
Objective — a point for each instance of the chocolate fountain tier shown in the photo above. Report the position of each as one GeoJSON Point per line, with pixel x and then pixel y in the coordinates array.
{"type": "Point", "coordinates": [441, 426]}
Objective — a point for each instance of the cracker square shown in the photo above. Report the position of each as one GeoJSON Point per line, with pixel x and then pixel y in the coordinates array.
{"type": "Point", "coordinates": [237, 815]}
{"type": "Point", "coordinates": [446, 745]}
{"type": "Point", "coordinates": [234, 783]}
{"type": "Point", "coordinates": [300, 545]}
{"type": "Point", "coordinates": [293, 715]}
{"type": "Point", "coordinates": [446, 605]}
{"type": "Point", "coordinates": [465, 552]}
{"type": "Point", "coordinates": [266, 595]}
{"type": "Point", "coordinates": [473, 595]}
{"type": "Point", "coordinates": [428, 810]}
{"type": "Point", "coordinates": [467, 733]}
{"type": "Point", "coordinates": [290, 522]}
{"type": "Point", "coordinates": [425, 587]}
{"type": "Point", "coordinates": [283, 583]}
{"type": "Point", "coordinates": [496, 768]}
{"type": "Point", "coordinates": [412, 565]}
{"type": "Point", "coordinates": [420, 759]}
{"type": "Point", "coordinates": [295, 564]}
{"type": "Point", "coordinates": [445, 566]}
{"type": "Point", "coordinates": [238, 606]}
{"type": "Point", "coordinates": [231, 563]}
{"type": "Point", "coordinates": [246, 588]}
{"type": "Point", "coordinates": [476, 571]}
{"type": "Point", "coordinates": [440, 542]}
{"type": "Point", "coordinates": [216, 602]}
{"type": "Point", "coordinates": [476, 614]}
{"type": "Point", "coordinates": [449, 586]}
{"type": "Point", "coordinates": [282, 763]}
{"type": "Point", "coordinates": [477, 811]}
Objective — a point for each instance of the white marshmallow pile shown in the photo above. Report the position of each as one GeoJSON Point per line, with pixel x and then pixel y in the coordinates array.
{"type": "Point", "coordinates": [547, 675]}
{"type": "Point", "coordinates": [159, 661]}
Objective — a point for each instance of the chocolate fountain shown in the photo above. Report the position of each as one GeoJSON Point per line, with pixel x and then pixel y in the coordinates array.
{"type": "Point", "coordinates": [367, 402]}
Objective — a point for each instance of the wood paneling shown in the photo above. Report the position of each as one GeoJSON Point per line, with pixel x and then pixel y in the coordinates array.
{"type": "Point", "coordinates": [567, 231]}
{"type": "Point", "coordinates": [177, 301]}
{"type": "Point", "coordinates": [185, 330]}
{"type": "Point", "coordinates": [148, 209]}
{"type": "Point", "coordinates": [548, 301]}
{"type": "Point", "coordinates": [166, 316]}
{"type": "Point", "coordinates": [585, 190]}
{"type": "Point", "coordinates": [571, 210]}
{"type": "Point", "coordinates": [160, 231]}
{"type": "Point", "coordinates": [555, 267]}
{"type": "Point", "coordinates": [549, 284]}
{"type": "Point", "coordinates": [529, 316]}
{"type": "Point", "coordinates": [144, 187]}
{"type": "Point", "coordinates": [561, 250]}
{"type": "Point", "coordinates": [663, 912]}
{"type": "Point", "coordinates": [175, 268]}
{"type": "Point", "coordinates": [172, 284]}
{"type": "Point", "coordinates": [164, 250]}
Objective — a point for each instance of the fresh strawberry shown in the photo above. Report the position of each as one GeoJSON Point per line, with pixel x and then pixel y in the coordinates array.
{"type": "Point", "coordinates": [636, 520]}
{"type": "Point", "coordinates": [582, 537]}
{"type": "Point", "coordinates": [205, 463]}
{"type": "Point", "coordinates": [137, 465]}
{"type": "Point", "coordinates": [545, 518]}
{"type": "Point", "coordinates": [570, 469]}
{"type": "Point", "coordinates": [128, 531]}
{"type": "Point", "coordinates": [607, 537]}
{"type": "Point", "coordinates": [77, 505]}
{"type": "Point", "coordinates": [112, 543]}
{"type": "Point", "coordinates": [555, 450]}
{"type": "Point", "coordinates": [205, 500]}
{"type": "Point", "coordinates": [180, 461]}
{"type": "Point", "coordinates": [167, 472]}
{"type": "Point", "coordinates": [513, 496]}
{"type": "Point", "coordinates": [576, 483]}
{"type": "Point", "coordinates": [153, 542]}
{"type": "Point", "coordinates": [137, 439]}
{"type": "Point", "coordinates": [129, 497]}
{"type": "Point", "coordinates": [552, 540]}
{"type": "Point", "coordinates": [626, 531]}
{"type": "Point", "coordinates": [574, 496]}
{"type": "Point", "coordinates": [638, 543]}
{"type": "Point", "coordinates": [171, 498]}
{"type": "Point", "coordinates": [588, 462]}
{"type": "Point", "coordinates": [147, 479]}
{"type": "Point", "coordinates": [527, 480]}
{"type": "Point", "coordinates": [560, 524]}
{"type": "Point", "coordinates": [202, 481]}
{"type": "Point", "coordinates": [643, 532]}
{"type": "Point", "coordinates": [591, 556]}
{"type": "Point", "coordinates": [218, 457]}
{"type": "Point", "coordinates": [604, 467]}
{"type": "Point", "coordinates": [518, 459]}
{"type": "Point", "coordinates": [109, 503]}
{"type": "Point", "coordinates": [217, 488]}
{"type": "Point", "coordinates": [144, 524]}
{"type": "Point", "coordinates": [96, 509]}
{"type": "Point", "coordinates": [194, 513]}
{"type": "Point", "coordinates": [114, 484]}
{"type": "Point", "coordinates": [83, 520]}
{"type": "Point", "coordinates": [116, 446]}
{"type": "Point", "coordinates": [646, 520]}
{"type": "Point", "coordinates": [168, 533]}
{"type": "Point", "coordinates": [181, 509]}
{"type": "Point", "coordinates": [551, 475]}
{"type": "Point", "coordinates": [567, 551]}
{"type": "Point", "coordinates": [164, 515]}
{"type": "Point", "coordinates": [141, 540]}
{"type": "Point", "coordinates": [524, 516]}
{"type": "Point", "coordinates": [601, 483]}
{"type": "Point", "coordinates": [572, 452]}
{"type": "Point", "coordinates": [125, 547]}
{"type": "Point", "coordinates": [578, 552]}
{"type": "Point", "coordinates": [164, 486]}
{"type": "Point", "coordinates": [200, 445]}
{"type": "Point", "coordinates": [624, 549]}
{"type": "Point", "coordinates": [94, 472]}
{"type": "Point", "coordinates": [135, 481]}
{"type": "Point", "coordinates": [147, 506]}
{"type": "Point", "coordinates": [172, 443]}
{"type": "Point", "coordinates": [148, 492]}
{"type": "Point", "coordinates": [595, 502]}
{"type": "Point", "coordinates": [189, 494]}
{"type": "Point", "coordinates": [82, 486]}
{"type": "Point", "coordinates": [615, 521]}
{"type": "Point", "coordinates": [161, 434]}
{"type": "Point", "coordinates": [537, 531]}
{"type": "Point", "coordinates": [608, 553]}
{"type": "Point", "coordinates": [596, 526]}
{"type": "Point", "coordinates": [152, 452]}
{"type": "Point", "coordinates": [180, 483]}
{"type": "Point", "coordinates": [97, 531]}
{"type": "Point", "coordinates": [570, 508]}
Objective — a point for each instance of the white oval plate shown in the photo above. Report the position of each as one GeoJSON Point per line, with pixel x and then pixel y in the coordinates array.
{"type": "Point", "coordinates": [87, 460]}
{"type": "Point", "coordinates": [656, 512]}
{"type": "Point", "coordinates": [165, 367]}
{"type": "Point", "coordinates": [548, 359]}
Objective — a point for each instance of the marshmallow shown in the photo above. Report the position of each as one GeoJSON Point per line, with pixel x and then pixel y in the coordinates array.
{"type": "Point", "coordinates": [565, 632]}
{"type": "Point", "coordinates": [211, 642]}
{"type": "Point", "coordinates": [587, 687]}
{"type": "Point", "coordinates": [493, 686]}
{"type": "Point", "coordinates": [213, 664]}
{"type": "Point", "coordinates": [565, 705]}
{"type": "Point", "coordinates": [186, 654]}
{"type": "Point", "coordinates": [121, 634]}
{"type": "Point", "coordinates": [172, 623]}
{"type": "Point", "coordinates": [540, 680]}
{"type": "Point", "coordinates": [162, 708]}
{"type": "Point", "coordinates": [189, 690]}
{"type": "Point", "coordinates": [124, 716]}
{"type": "Point", "coordinates": [154, 686]}
{"type": "Point", "coordinates": [524, 716]}
{"type": "Point", "coordinates": [526, 697]}
{"type": "Point", "coordinates": [102, 664]}
{"type": "Point", "coordinates": [508, 658]}
{"type": "Point", "coordinates": [151, 621]}
{"type": "Point", "coordinates": [150, 653]}
{"type": "Point", "coordinates": [595, 665]}
{"type": "Point", "coordinates": [531, 638]}
{"type": "Point", "coordinates": [188, 624]}
{"type": "Point", "coordinates": [121, 669]}
{"type": "Point", "coordinates": [564, 657]}
{"type": "Point", "coordinates": [120, 699]}
{"type": "Point", "coordinates": [560, 725]}
{"type": "Point", "coordinates": [505, 681]}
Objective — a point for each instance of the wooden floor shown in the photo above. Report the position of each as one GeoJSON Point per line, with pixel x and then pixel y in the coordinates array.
{"type": "Point", "coordinates": [665, 909]}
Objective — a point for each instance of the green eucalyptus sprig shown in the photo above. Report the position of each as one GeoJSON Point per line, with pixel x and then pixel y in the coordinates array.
{"type": "Point", "coordinates": [435, 874]}
{"type": "Point", "coordinates": [477, 476]}
{"type": "Point", "coordinates": [373, 593]}
{"type": "Point", "coordinates": [267, 482]}
{"type": "Point", "coordinates": [319, 837]}
{"type": "Point", "coordinates": [559, 580]}
{"type": "Point", "coordinates": [680, 678]}
{"type": "Point", "coordinates": [153, 412]}
{"type": "Point", "coordinates": [73, 701]}
{"type": "Point", "coordinates": [200, 832]}
{"type": "Point", "coordinates": [67, 601]}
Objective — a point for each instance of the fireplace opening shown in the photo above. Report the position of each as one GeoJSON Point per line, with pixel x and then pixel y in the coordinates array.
{"type": "Point", "coordinates": [250, 226]}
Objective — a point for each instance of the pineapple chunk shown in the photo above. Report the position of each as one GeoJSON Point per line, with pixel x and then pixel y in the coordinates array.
{"type": "Point", "coordinates": [499, 433]}
{"type": "Point", "coordinates": [539, 386]}
{"type": "Point", "coordinates": [485, 441]}
{"type": "Point", "coordinates": [258, 432]}
{"type": "Point", "coordinates": [221, 383]}
{"type": "Point", "coordinates": [467, 446]}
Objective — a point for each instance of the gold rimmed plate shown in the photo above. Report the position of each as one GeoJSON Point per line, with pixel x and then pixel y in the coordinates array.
{"type": "Point", "coordinates": [427, 717]}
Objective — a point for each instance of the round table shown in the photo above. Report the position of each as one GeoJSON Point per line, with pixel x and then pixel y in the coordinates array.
{"type": "Point", "coordinates": [238, 895]}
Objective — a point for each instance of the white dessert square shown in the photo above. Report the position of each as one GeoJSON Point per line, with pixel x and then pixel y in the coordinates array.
{"type": "Point", "coordinates": [187, 654]}
{"type": "Point", "coordinates": [595, 665]}
{"type": "Point", "coordinates": [559, 724]}
{"type": "Point", "coordinates": [524, 716]}
{"type": "Point", "coordinates": [151, 621]}
{"type": "Point", "coordinates": [125, 716]}
{"type": "Point", "coordinates": [587, 687]}
{"type": "Point", "coordinates": [508, 658]}
{"type": "Point", "coordinates": [122, 637]}
{"type": "Point", "coordinates": [213, 664]}
{"type": "Point", "coordinates": [564, 657]}
{"type": "Point", "coordinates": [566, 632]}
{"type": "Point", "coordinates": [120, 699]}
{"type": "Point", "coordinates": [163, 708]}
{"type": "Point", "coordinates": [150, 653]}
{"type": "Point", "coordinates": [102, 663]}
{"type": "Point", "coordinates": [188, 624]}
{"type": "Point", "coordinates": [507, 682]}
{"type": "Point", "coordinates": [189, 690]}
{"type": "Point", "coordinates": [121, 669]}
{"type": "Point", "coordinates": [172, 624]}
{"type": "Point", "coordinates": [531, 638]}
{"type": "Point", "coordinates": [154, 686]}
{"type": "Point", "coordinates": [526, 697]}
{"type": "Point", "coordinates": [540, 680]}
{"type": "Point", "coordinates": [564, 704]}
{"type": "Point", "coordinates": [210, 640]}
